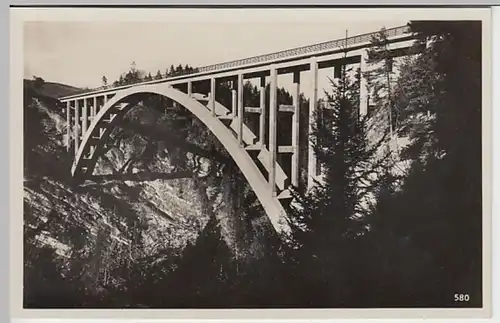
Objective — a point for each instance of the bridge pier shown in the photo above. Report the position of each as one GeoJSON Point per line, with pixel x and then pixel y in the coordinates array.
{"type": "Point", "coordinates": [212, 95]}
{"type": "Point", "coordinates": [241, 115]}
{"type": "Point", "coordinates": [295, 128]}
{"type": "Point", "coordinates": [84, 117]}
{"type": "Point", "coordinates": [312, 169]}
{"type": "Point", "coordinates": [94, 108]}
{"type": "Point", "coordinates": [190, 88]}
{"type": "Point", "coordinates": [68, 125]}
{"type": "Point", "coordinates": [262, 117]}
{"type": "Point", "coordinates": [273, 107]}
{"type": "Point", "coordinates": [234, 97]}
{"type": "Point", "coordinates": [337, 71]}
{"type": "Point", "coordinates": [77, 127]}
{"type": "Point", "coordinates": [363, 85]}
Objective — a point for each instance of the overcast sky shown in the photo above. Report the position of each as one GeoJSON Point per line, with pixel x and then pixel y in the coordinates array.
{"type": "Point", "coordinates": [79, 53]}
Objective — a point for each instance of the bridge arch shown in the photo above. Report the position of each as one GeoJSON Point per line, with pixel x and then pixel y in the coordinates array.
{"type": "Point", "coordinates": [116, 108]}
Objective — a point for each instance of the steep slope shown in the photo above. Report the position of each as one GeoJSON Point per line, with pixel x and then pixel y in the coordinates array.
{"type": "Point", "coordinates": [88, 232]}
{"type": "Point", "coordinates": [92, 243]}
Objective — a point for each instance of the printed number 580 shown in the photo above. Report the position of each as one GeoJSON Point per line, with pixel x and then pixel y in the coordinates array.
{"type": "Point", "coordinates": [461, 297]}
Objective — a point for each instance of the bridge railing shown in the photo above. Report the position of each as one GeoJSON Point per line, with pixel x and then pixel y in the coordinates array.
{"type": "Point", "coordinates": [333, 44]}
{"type": "Point", "coordinates": [289, 53]}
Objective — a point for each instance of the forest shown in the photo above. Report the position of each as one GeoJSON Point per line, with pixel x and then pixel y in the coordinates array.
{"type": "Point", "coordinates": [390, 224]}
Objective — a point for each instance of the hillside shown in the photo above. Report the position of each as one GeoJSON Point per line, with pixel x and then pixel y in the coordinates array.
{"type": "Point", "coordinates": [50, 89]}
{"type": "Point", "coordinates": [88, 237]}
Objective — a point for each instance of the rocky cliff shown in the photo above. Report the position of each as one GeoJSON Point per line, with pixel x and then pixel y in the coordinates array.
{"type": "Point", "coordinates": [90, 232]}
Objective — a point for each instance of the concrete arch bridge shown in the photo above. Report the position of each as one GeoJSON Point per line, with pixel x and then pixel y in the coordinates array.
{"type": "Point", "coordinates": [95, 113]}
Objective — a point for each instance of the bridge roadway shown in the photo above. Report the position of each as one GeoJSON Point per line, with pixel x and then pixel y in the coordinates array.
{"type": "Point", "coordinates": [93, 114]}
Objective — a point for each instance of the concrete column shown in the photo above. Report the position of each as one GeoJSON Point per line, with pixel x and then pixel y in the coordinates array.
{"type": "Point", "coordinates": [295, 128]}
{"type": "Point", "coordinates": [234, 102]}
{"type": "Point", "coordinates": [273, 109]}
{"type": "Point", "coordinates": [212, 95]}
{"type": "Point", "coordinates": [190, 88]}
{"type": "Point", "coordinates": [312, 110]}
{"type": "Point", "coordinates": [68, 125]}
{"type": "Point", "coordinates": [77, 127]}
{"type": "Point", "coordinates": [363, 86]}
{"type": "Point", "coordinates": [337, 71]}
{"type": "Point", "coordinates": [262, 119]}
{"type": "Point", "coordinates": [84, 117]}
{"type": "Point", "coordinates": [240, 109]}
{"type": "Point", "coordinates": [96, 109]}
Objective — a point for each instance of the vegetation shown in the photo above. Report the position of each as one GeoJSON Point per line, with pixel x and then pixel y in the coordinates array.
{"type": "Point", "coordinates": [372, 233]}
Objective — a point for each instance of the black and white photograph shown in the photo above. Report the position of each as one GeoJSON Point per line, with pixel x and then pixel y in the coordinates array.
{"type": "Point", "coordinates": [245, 158]}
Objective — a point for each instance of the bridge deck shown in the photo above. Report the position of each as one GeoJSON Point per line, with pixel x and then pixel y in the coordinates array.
{"type": "Point", "coordinates": [355, 42]}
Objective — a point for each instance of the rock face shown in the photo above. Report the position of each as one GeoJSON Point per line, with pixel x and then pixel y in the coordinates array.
{"type": "Point", "coordinates": [95, 229]}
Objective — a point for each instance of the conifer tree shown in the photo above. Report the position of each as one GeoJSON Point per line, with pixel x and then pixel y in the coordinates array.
{"type": "Point", "coordinates": [119, 82]}
{"type": "Point", "coordinates": [381, 80]}
{"type": "Point", "coordinates": [327, 220]}
{"type": "Point", "coordinates": [38, 82]}
{"type": "Point", "coordinates": [429, 231]}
